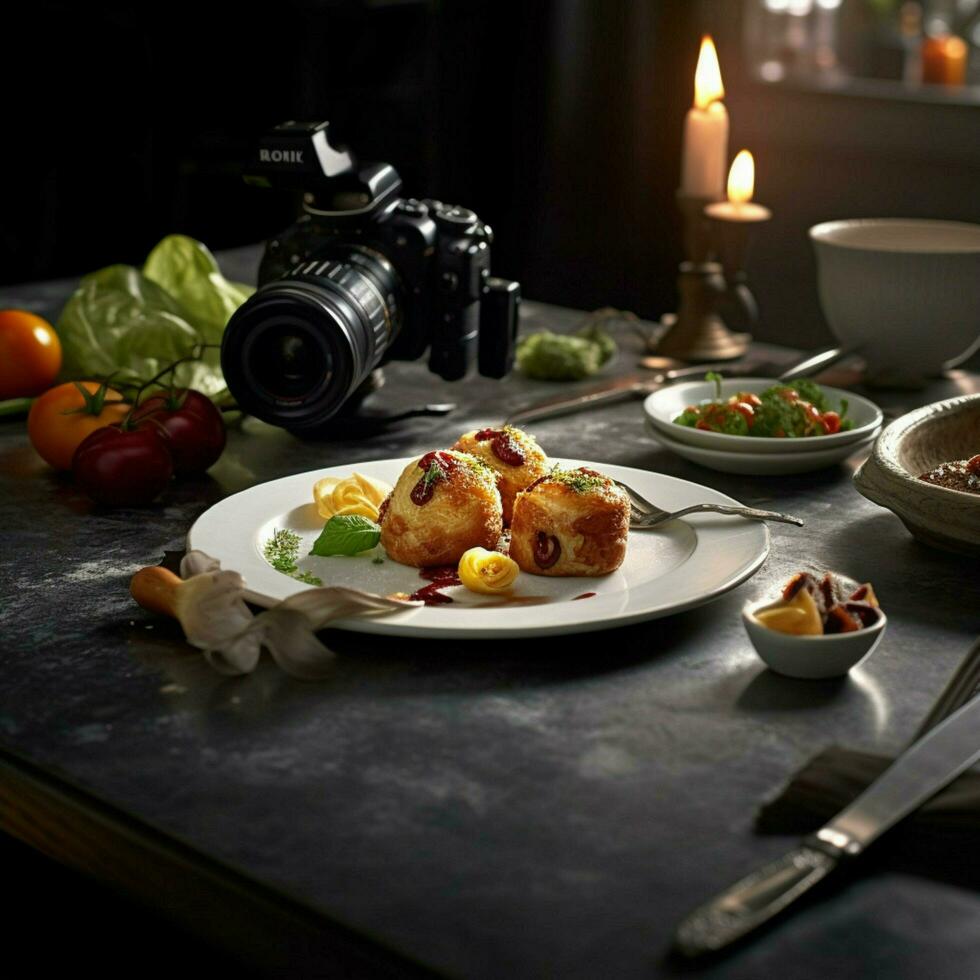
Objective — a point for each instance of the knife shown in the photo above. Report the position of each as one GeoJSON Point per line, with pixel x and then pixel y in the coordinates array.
{"type": "Point", "coordinates": [628, 388]}
{"type": "Point", "coordinates": [919, 773]}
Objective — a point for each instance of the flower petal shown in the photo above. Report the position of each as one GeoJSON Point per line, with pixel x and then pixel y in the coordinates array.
{"type": "Point", "coordinates": [212, 611]}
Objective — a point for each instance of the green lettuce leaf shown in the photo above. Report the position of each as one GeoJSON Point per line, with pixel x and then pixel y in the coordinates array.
{"type": "Point", "coordinates": [549, 356]}
{"type": "Point", "coordinates": [601, 337]}
{"type": "Point", "coordinates": [130, 324]}
{"type": "Point", "coordinates": [189, 273]}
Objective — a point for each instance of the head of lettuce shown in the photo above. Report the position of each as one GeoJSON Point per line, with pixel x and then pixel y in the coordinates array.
{"type": "Point", "coordinates": [131, 323]}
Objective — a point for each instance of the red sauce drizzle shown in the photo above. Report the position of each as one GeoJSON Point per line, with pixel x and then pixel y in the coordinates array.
{"type": "Point", "coordinates": [444, 574]}
{"type": "Point", "coordinates": [441, 577]}
{"type": "Point", "coordinates": [584, 595]}
{"type": "Point", "coordinates": [423, 490]}
{"type": "Point", "coordinates": [502, 446]}
{"type": "Point", "coordinates": [539, 480]}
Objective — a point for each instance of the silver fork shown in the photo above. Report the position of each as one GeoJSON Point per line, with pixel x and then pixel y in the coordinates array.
{"type": "Point", "coordinates": [645, 515]}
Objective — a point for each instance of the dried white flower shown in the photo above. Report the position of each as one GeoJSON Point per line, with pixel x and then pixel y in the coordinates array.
{"type": "Point", "coordinates": [211, 608]}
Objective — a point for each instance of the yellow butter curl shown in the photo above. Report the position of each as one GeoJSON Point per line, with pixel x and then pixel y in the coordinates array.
{"type": "Point", "coordinates": [488, 572]}
{"type": "Point", "coordinates": [354, 494]}
{"type": "Point", "coordinates": [799, 616]}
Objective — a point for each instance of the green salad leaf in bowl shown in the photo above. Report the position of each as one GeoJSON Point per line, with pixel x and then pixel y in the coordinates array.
{"type": "Point", "coordinates": [792, 410]}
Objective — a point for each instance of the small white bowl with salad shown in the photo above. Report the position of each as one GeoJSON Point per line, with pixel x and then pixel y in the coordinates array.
{"type": "Point", "coordinates": [762, 464]}
{"type": "Point", "coordinates": [761, 415]}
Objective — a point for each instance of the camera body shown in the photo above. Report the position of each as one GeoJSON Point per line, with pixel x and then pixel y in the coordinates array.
{"type": "Point", "coordinates": [363, 277]}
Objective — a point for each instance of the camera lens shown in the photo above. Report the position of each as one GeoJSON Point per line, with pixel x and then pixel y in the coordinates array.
{"type": "Point", "coordinates": [295, 351]}
{"type": "Point", "coordinates": [290, 364]}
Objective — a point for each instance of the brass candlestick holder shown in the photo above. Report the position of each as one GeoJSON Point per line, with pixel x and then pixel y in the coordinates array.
{"type": "Point", "coordinates": [729, 228]}
{"type": "Point", "coordinates": [697, 331]}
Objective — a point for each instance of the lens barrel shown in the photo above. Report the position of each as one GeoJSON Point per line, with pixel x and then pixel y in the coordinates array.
{"type": "Point", "coordinates": [294, 352]}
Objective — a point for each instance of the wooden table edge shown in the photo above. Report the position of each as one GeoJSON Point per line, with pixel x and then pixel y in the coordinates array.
{"type": "Point", "coordinates": [262, 928]}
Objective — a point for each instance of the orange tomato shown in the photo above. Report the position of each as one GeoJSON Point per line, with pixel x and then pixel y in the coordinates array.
{"type": "Point", "coordinates": [61, 419]}
{"type": "Point", "coordinates": [30, 354]}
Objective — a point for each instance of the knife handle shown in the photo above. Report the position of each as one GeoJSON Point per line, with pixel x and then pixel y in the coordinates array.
{"type": "Point", "coordinates": [756, 899]}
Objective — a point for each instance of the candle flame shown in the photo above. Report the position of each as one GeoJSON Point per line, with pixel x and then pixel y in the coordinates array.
{"type": "Point", "coordinates": [707, 77]}
{"type": "Point", "coordinates": [954, 47]}
{"type": "Point", "coordinates": [741, 178]}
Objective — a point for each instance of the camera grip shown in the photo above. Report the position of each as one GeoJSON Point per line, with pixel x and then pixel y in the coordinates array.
{"type": "Point", "coordinates": [499, 320]}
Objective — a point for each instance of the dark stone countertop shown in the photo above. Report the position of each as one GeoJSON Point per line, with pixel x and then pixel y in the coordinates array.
{"type": "Point", "coordinates": [541, 808]}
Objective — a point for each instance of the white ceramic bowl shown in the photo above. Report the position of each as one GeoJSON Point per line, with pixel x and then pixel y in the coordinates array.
{"type": "Point", "coordinates": [914, 444]}
{"type": "Point", "coordinates": [905, 292]}
{"type": "Point", "coordinates": [663, 406]}
{"type": "Point", "coordinates": [810, 657]}
{"type": "Point", "coordinates": [761, 464]}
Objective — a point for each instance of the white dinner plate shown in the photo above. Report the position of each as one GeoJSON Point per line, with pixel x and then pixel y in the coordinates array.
{"type": "Point", "coordinates": [762, 464]}
{"type": "Point", "coordinates": [683, 564]}
{"type": "Point", "coordinates": [663, 406]}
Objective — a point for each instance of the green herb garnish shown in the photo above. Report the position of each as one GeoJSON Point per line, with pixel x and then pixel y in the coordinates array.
{"type": "Point", "coordinates": [347, 534]}
{"type": "Point", "coordinates": [577, 480]}
{"type": "Point", "coordinates": [480, 468]}
{"type": "Point", "coordinates": [433, 474]}
{"type": "Point", "coordinates": [282, 551]}
{"type": "Point", "coordinates": [716, 377]}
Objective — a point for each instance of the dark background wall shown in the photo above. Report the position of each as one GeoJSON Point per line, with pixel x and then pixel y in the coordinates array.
{"type": "Point", "coordinates": [559, 121]}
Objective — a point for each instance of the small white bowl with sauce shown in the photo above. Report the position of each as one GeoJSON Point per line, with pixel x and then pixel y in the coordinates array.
{"type": "Point", "coordinates": [810, 657]}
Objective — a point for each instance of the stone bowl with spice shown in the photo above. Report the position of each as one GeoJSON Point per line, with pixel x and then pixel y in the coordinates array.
{"type": "Point", "coordinates": [925, 468]}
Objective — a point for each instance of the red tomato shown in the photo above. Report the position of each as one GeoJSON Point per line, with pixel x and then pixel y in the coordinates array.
{"type": "Point", "coordinates": [746, 410]}
{"type": "Point", "coordinates": [194, 428]}
{"type": "Point", "coordinates": [123, 466]}
{"type": "Point", "coordinates": [830, 422]}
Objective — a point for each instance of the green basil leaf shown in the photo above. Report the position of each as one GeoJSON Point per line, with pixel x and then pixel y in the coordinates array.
{"type": "Point", "coordinates": [346, 534]}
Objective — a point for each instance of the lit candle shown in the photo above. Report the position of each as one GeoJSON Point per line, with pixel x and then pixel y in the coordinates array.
{"type": "Point", "coordinates": [944, 60]}
{"type": "Point", "coordinates": [741, 185]}
{"type": "Point", "coordinates": [705, 130]}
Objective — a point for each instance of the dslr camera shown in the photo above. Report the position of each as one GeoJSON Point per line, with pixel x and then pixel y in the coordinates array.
{"type": "Point", "coordinates": [363, 277]}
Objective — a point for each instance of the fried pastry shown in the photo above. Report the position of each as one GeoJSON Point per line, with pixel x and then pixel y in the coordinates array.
{"type": "Point", "coordinates": [570, 522]}
{"type": "Point", "coordinates": [514, 455]}
{"type": "Point", "coordinates": [442, 505]}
